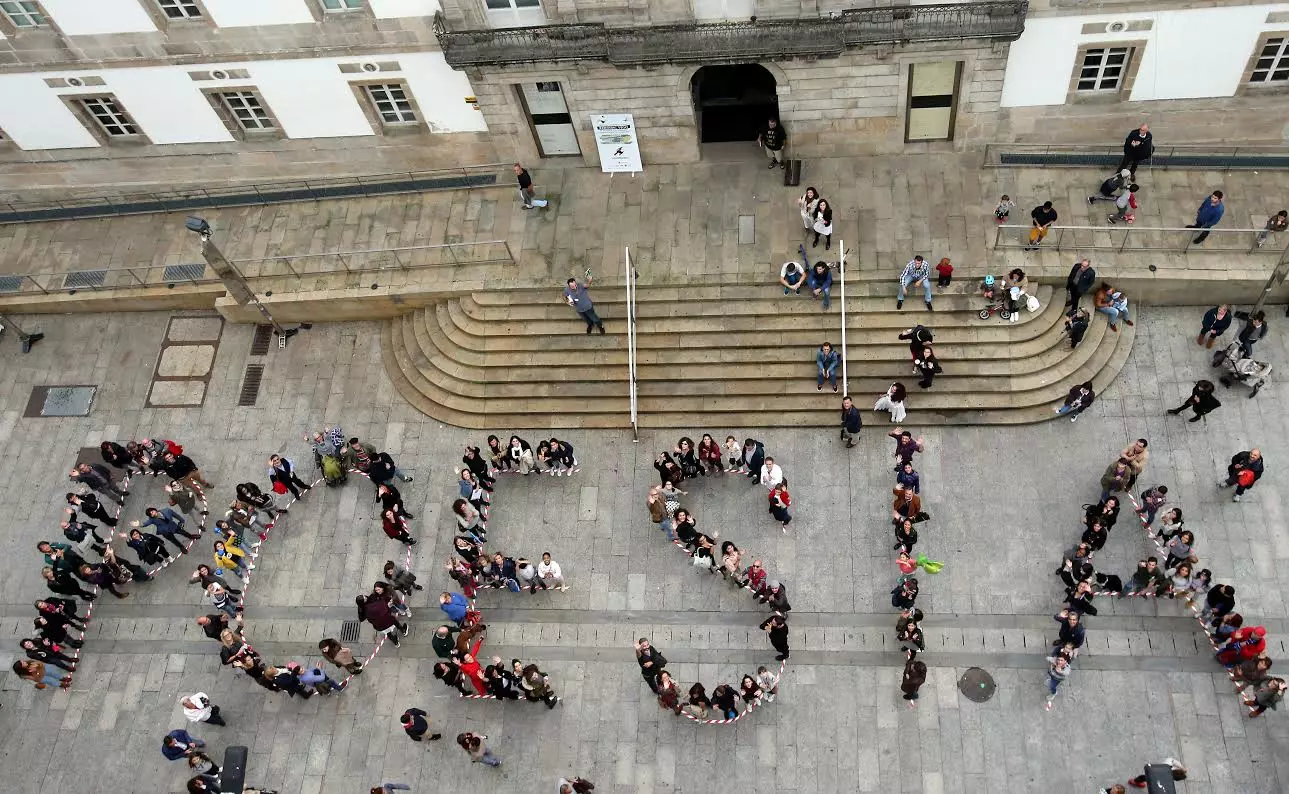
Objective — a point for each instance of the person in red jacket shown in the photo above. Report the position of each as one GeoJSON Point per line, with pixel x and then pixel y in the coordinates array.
{"type": "Point", "coordinates": [470, 667]}
{"type": "Point", "coordinates": [1245, 643]}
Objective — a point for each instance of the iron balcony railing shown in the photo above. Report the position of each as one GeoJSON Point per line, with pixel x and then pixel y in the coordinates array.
{"type": "Point", "coordinates": [771, 39]}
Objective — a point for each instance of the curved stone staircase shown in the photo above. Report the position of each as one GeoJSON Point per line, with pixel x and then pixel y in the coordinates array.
{"type": "Point", "coordinates": [732, 355]}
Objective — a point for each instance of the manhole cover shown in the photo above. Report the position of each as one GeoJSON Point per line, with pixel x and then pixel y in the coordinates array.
{"type": "Point", "coordinates": [62, 400]}
{"type": "Point", "coordinates": [977, 685]}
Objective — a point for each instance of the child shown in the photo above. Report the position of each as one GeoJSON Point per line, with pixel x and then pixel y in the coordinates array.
{"type": "Point", "coordinates": [989, 289]}
{"type": "Point", "coordinates": [735, 452]}
{"type": "Point", "coordinates": [1003, 209]}
{"type": "Point", "coordinates": [946, 272]}
{"type": "Point", "coordinates": [1126, 201]}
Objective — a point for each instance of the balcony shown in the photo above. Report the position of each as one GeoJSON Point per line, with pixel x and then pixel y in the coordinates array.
{"type": "Point", "coordinates": [775, 39]}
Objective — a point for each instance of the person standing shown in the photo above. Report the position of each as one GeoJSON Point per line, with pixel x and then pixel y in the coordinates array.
{"type": "Point", "coordinates": [916, 272]}
{"type": "Point", "coordinates": [807, 203]}
{"type": "Point", "coordinates": [914, 676]}
{"type": "Point", "coordinates": [1267, 695]}
{"type": "Point", "coordinates": [1207, 216]}
{"type": "Point", "coordinates": [416, 723]}
{"type": "Point", "coordinates": [1255, 327]}
{"type": "Point", "coordinates": [1152, 500]}
{"type": "Point", "coordinates": [1117, 477]}
{"type": "Point", "coordinates": [772, 138]}
{"type": "Point", "coordinates": [1078, 283]}
{"type": "Point", "coordinates": [282, 470]}
{"type": "Point", "coordinates": [1216, 321]}
{"type": "Point", "coordinates": [928, 366]}
{"type": "Point", "coordinates": [526, 192]}
{"type": "Point", "coordinates": [475, 746]}
{"type": "Point", "coordinates": [1058, 670]}
{"type": "Point", "coordinates": [1137, 148]}
{"type": "Point", "coordinates": [651, 662]}
{"type": "Point", "coordinates": [823, 226]}
{"type": "Point", "coordinates": [780, 501]}
{"type": "Point", "coordinates": [1043, 217]}
{"type": "Point", "coordinates": [771, 473]}
{"type": "Point", "coordinates": [1201, 401]}
{"type": "Point", "coordinates": [198, 708]}
{"type": "Point", "coordinates": [777, 627]}
{"type": "Point", "coordinates": [851, 422]}
{"type": "Point", "coordinates": [658, 512]}
{"type": "Point", "coordinates": [181, 468]}
{"type": "Point", "coordinates": [180, 744]}
{"type": "Point", "coordinates": [1245, 470]}
{"type": "Point", "coordinates": [753, 457]}
{"type": "Point", "coordinates": [826, 361]}
{"type": "Point", "coordinates": [1124, 203]}
{"type": "Point", "coordinates": [379, 612]}
{"type": "Point", "coordinates": [576, 295]}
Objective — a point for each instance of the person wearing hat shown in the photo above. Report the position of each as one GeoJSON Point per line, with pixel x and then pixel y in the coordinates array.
{"type": "Point", "coordinates": [1110, 188]}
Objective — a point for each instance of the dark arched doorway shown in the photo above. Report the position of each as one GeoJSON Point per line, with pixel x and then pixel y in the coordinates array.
{"type": "Point", "coordinates": [732, 103]}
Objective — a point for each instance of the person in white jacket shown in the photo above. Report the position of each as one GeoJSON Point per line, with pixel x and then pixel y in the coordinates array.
{"type": "Point", "coordinates": [550, 572]}
{"type": "Point", "coordinates": [771, 474]}
{"type": "Point", "coordinates": [198, 708]}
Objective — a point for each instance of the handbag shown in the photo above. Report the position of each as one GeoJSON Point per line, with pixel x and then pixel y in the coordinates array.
{"type": "Point", "coordinates": [1031, 303]}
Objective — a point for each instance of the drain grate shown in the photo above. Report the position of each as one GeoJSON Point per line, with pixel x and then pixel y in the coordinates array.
{"type": "Point", "coordinates": [84, 278]}
{"type": "Point", "coordinates": [260, 342]}
{"type": "Point", "coordinates": [251, 384]}
{"type": "Point", "coordinates": [10, 283]}
{"type": "Point", "coordinates": [349, 631]}
{"type": "Point", "coordinates": [180, 273]}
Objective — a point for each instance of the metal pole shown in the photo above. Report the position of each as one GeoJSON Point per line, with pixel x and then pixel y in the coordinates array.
{"type": "Point", "coordinates": [845, 373]}
{"type": "Point", "coordinates": [631, 345]}
{"type": "Point", "coordinates": [1277, 276]}
{"type": "Point", "coordinates": [236, 284]}
{"type": "Point", "coordinates": [27, 339]}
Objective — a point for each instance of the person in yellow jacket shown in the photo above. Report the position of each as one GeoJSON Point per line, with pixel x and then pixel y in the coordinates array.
{"type": "Point", "coordinates": [229, 557]}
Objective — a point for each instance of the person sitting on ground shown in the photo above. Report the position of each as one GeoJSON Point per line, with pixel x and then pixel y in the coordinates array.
{"type": "Point", "coordinates": [1077, 401]}
{"type": "Point", "coordinates": [1113, 304]}
{"type": "Point", "coordinates": [1076, 325]}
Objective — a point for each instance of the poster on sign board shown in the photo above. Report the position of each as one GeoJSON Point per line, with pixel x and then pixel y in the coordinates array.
{"type": "Point", "coordinates": [615, 138]}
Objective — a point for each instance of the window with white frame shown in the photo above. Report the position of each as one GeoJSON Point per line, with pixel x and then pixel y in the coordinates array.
{"type": "Point", "coordinates": [247, 110]}
{"type": "Point", "coordinates": [180, 9]}
{"type": "Point", "coordinates": [392, 104]}
{"type": "Point", "coordinates": [341, 5]}
{"type": "Point", "coordinates": [1103, 68]}
{"type": "Point", "coordinates": [514, 13]}
{"type": "Point", "coordinates": [503, 5]}
{"type": "Point", "coordinates": [110, 116]}
{"type": "Point", "coordinates": [1272, 65]}
{"type": "Point", "coordinates": [23, 14]}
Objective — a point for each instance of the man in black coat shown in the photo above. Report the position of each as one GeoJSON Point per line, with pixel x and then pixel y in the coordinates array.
{"type": "Point", "coordinates": [1137, 148]}
{"type": "Point", "coordinates": [777, 628]}
{"type": "Point", "coordinates": [416, 725]}
{"type": "Point", "coordinates": [1078, 283]}
{"type": "Point", "coordinates": [651, 662]}
{"type": "Point", "coordinates": [753, 458]}
{"type": "Point", "coordinates": [851, 422]}
{"type": "Point", "coordinates": [1250, 461]}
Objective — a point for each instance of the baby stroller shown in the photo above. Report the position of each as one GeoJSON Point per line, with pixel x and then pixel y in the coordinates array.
{"type": "Point", "coordinates": [996, 294]}
{"type": "Point", "coordinates": [1241, 368]}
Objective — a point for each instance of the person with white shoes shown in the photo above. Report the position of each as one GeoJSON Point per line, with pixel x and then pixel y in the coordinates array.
{"type": "Point", "coordinates": [771, 474]}
{"type": "Point", "coordinates": [550, 572]}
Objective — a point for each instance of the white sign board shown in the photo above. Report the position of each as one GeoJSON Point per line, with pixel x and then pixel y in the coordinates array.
{"type": "Point", "coordinates": [615, 138]}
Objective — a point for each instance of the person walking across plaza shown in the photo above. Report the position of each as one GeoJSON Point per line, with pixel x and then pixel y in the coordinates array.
{"type": "Point", "coordinates": [1208, 215]}
{"type": "Point", "coordinates": [826, 361]}
{"type": "Point", "coordinates": [1043, 217]}
{"type": "Point", "coordinates": [198, 708]}
{"type": "Point", "coordinates": [1137, 149]}
{"type": "Point", "coordinates": [476, 747]}
{"type": "Point", "coordinates": [1255, 327]}
{"type": "Point", "coordinates": [916, 273]}
{"type": "Point", "coordinates": [1201, 401]}
{"type": "Point", "coordinates": [1216, 321]}
{"type": "Point", "coordinates": [777, 627]}
{"type": "Point", "coordinates": [913, 678]}
{"type": "Point", "coordinates": [416, 724]}
{"type": "Point", "coordinates": [1078, 283]}
{"type": "Point", "coordinates": [1243, 472]}
{"type": "Point", "coordinates": [576, 295]}
{"type": "Point", "coordinates": [526, 191]}
{"type": "Point", "coordinates": [773, 138]}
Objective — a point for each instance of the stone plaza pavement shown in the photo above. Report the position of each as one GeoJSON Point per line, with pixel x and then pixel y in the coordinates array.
{"type": "Point", "coordinates": [1004, 502]}
{"type": "Point", "coordinates": [682, 222]}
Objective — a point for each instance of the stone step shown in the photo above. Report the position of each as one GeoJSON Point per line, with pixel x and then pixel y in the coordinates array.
{"type": "Point", "coordinates": [701, 290]}
{"type": "Point", "coordinates": [504, 374]}
{"type": "Point", "coordinates": [558, 397]}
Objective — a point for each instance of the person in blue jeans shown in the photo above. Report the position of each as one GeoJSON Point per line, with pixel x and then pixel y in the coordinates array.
{"type": "Point", "coordinates": [827, 359]}
{"type": "Point", "coordinates": [1207, 216]}
{"type": "Point", "coordinates": [168, 523]}
{"type": "Point", "coordinates": [480, 753]}
{"type": "Point", "coordinates": [916, 272]}
{"type": "Point", "coordinates": [820, 283]}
